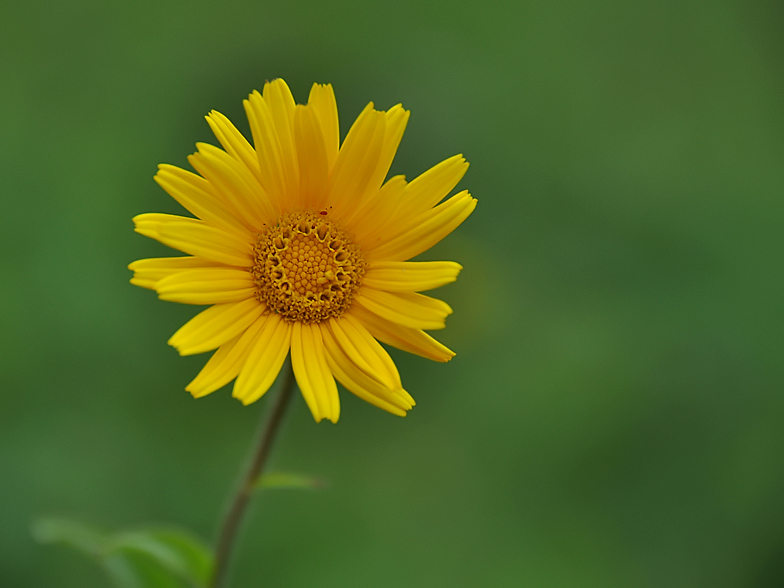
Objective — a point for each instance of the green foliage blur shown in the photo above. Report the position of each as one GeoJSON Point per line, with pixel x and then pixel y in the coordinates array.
{"type": "Point", "coordinates": [615, 414]}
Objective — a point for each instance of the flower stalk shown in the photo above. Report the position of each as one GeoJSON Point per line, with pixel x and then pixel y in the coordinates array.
{"type": "Point", "coordinates": [234, 516]}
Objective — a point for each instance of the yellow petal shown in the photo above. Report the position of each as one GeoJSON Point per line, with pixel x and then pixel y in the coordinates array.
{"type": "Point", "coordinates": [207, 286]}
{"type": "Point", "coordinates": [226, 362]}
{"type": "Point", "coordinates": [428, 229]}
{"type": "Point", "coordinates": [428, 189]}
{"type": "Point", "coordinates": [233, 141]}
{"type": "Point", "coordinates": [363, 355]}
{"type": "Point", "coordinates": [312, 372]}
{"type": "Point", "coordinates": [419, 196]}
{"type": "Point", "coordinates": [410, 276]}
{"type": "Point", "coordinates": [198, 201]}
{"type": "Point", "coordinates": [394, 125]}
{"type": "Point", "coordinates": [410, 340]}
{"type": "Point", "coordinates": [381, 214]}
{"type": "Point", "coordinates": [322, 100]}
{"type": "Point", "coordinates": [239, 188]}
{"type": "Point", "coordinates": [409, 309]}
{"type": "Point", "coordinates": [358, 382]}
{"type": "Point", "coordinates": [312, 157]}
{"type": "Point", "coordinates": [148, 272]}
{"type": "Point", "coordinates": [356, 162]}
{"type": "Point", "coordinates": [212, 327]}
{"type": "Point", "coordinates": [266, 357]}
{"type": "Point", "coordinates": [372, 349]}
{"type": "Point", "coordinates": [281, 105]}
{"type": "Point", "coordinates": [195, 237]}
{"type": "Point", "coordinates": [349, 349]}
{"type": "Point", "coordinates": [268, 150]}
{"type": "Point", "coordinates": [396, 119]}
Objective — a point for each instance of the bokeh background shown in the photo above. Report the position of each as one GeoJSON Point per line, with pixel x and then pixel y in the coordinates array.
{"type": "Point", "coordinates": [615, 414]}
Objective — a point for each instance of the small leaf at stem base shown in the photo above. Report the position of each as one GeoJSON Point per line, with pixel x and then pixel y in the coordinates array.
{"type": "Point", "coordinates": [276, 480]}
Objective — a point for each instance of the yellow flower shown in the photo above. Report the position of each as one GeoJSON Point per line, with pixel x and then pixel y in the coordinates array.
{"type": "Point", "coordinates": [299, 245]}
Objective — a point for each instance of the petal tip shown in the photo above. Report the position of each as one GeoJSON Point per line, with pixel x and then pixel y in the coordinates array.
{"type": "Point", "coordinates": [245, 400]}
{"type": "Point", "coordinates": [196, 393]}
{"type": "Point", "coordinates": [149, 284]}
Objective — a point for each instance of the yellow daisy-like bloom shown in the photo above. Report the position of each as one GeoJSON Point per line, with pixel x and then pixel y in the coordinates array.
{"type": "Point", "coordinates": [299, 245]}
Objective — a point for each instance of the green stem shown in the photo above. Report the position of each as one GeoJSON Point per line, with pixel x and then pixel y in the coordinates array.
{"type": "Point", "coordinates": [233, 520]}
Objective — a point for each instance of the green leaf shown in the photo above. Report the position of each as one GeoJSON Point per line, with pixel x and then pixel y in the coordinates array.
{"type": "Point", "coordinates": [152, 557]}
{"type": "Point", "coordinates": [85, 538]}
{"type": "Point", "coordinates": [275, 480]}
{"type": "Point", "coordinates": [177, 551]}
{"type": "Point", "coordinates": [130, 569]}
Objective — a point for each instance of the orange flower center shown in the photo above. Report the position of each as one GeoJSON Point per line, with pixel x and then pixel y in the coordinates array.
{"type": "Point", "coordinates": [306, 268]}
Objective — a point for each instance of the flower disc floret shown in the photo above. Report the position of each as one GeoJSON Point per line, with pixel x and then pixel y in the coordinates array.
{"type": "Point", "coordinates": [306, 268]}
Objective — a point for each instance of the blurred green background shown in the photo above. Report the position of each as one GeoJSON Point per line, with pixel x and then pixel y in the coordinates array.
{"type": "Point", "coordinates": [614, 416]}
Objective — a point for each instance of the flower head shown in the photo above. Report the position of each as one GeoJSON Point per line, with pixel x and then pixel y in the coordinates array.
{"type": "Point", "coordinates": [299, 245]}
